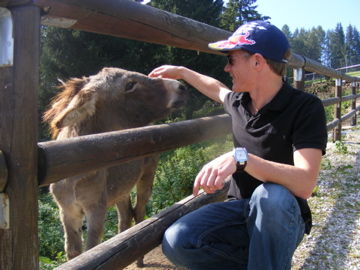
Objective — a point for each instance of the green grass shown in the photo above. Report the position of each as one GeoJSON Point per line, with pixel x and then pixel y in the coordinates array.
{"type": "Point", "coordinates": [354, 73]}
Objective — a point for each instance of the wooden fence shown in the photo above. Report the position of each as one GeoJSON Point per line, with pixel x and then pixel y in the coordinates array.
{"type": "Point", "coordinates": [26, 164]}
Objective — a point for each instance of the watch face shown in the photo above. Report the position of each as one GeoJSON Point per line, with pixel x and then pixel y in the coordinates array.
{"type": "Point", "coordinates": [240, 155]}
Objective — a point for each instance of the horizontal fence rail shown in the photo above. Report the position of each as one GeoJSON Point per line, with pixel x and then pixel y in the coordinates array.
{"type": "Point", "coordinates": [65, 158]}
{"type": "Point", "coordinates": [333, 101]}
{"type": "Point", "coordinates": [349, 114]}
{"type": "Point", "coordinates": [124, 248]}
{"type": "Point", "coordinates": [61, 159]}
{"type": "Point", "coordinates": [128, 19]}
{"type": "Point", "coordinates": [132, 20]}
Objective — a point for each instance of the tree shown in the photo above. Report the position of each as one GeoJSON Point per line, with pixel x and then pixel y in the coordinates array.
{"type": "Point", "coordinates": [309, 43]}
{"type": "Point", "coordinates": [206, 11]}
{"type": "Point", "coordinates": [238, 12]}
{"type": "Point", "coordinates": [356, 46]}
{"type": "Point", "coordinates": [286, 30]}
{"type": "Point", "coordinates": [336, 47]}
{"type": "Point", "coordinates": [352, 42]}
{"type": "Point", "coordinates": [314, 43]}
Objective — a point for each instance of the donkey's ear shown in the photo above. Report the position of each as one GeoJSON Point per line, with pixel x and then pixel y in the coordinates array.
{"type": "Point", "coordinates": [81, 107]}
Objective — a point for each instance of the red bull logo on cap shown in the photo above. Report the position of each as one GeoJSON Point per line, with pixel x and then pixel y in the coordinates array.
{"type": "Point", "coordinates": [242, 39]}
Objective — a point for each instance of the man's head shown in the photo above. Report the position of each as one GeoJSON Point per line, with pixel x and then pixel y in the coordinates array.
{"type": "Point", "coordinates": [258, 37]}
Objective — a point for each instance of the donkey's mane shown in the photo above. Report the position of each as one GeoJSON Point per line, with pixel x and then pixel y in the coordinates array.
{"type": "Point", "coordinates": [66, 92]}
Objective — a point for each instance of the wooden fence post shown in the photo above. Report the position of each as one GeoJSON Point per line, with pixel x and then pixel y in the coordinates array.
{"type": "Point", "coordinates": [353, 105]}
{"type": "Point", "coordinates": [19, 81]}
{"type": "Point", "coordinates": [299, 78]}
{"type": "Point", "coordinates": [338, 94]}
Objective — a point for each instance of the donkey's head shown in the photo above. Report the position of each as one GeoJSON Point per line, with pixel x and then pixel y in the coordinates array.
{"type": "Point", "coordinates": [110, 100]}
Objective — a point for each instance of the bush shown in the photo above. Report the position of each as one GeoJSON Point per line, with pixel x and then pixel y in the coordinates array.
{"type": "Point", "coordinates": [50, 233]}
{"type": "Point", "coordinates": [177, 170]}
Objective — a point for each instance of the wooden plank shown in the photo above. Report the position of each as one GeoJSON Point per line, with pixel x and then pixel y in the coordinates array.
{"type": "Point", "coordinates": [351, 97]}
{"type": "Point", "coordinates": [125, 248]}
{"type": "Point", "coordinates": [349, 114]}
{"type": "Point", "coordinates": [18, 137]}
{"type": "Point", "coordinates": [330, 101]}
{"type": "Point", "coordinates": [337, 111]}
{"type": "Point", "coordinates": [296, 61]}
{"type": "Point", "coordinates": [332, 124]}
{"type": "Point", "coordinates": [6, 103]}
{"type": "Point", "coordinates": [10, 3]}
{"type": "Point", "coordinates": [60, 159]}
{"type": "Point", "coordinates": [353, 104]}
{"type": "Point", "coordinates": [299, 78]}
{"type": "Point", "coordinates": [3, 171]}
{"type": "Point", "coordinates": [132, 20]}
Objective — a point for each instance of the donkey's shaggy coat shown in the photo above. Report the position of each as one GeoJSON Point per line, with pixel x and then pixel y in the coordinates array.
{"type": "Point", "coordinates": [113, 99]}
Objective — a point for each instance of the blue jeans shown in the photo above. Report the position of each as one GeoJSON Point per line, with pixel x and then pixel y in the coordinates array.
{"type": "Point", "coordinates": [257, 233]}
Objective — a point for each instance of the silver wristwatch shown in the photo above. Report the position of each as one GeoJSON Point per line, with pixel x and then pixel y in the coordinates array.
{"type": "Point", "coordinates": [241, 157]}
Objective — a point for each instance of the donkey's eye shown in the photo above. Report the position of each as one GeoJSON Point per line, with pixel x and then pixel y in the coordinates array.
{"type": "Point", "coordinates": [129, 86]}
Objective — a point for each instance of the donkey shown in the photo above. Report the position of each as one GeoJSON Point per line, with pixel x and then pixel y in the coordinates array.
{"type": "Point", "coordinates": [113, 99]}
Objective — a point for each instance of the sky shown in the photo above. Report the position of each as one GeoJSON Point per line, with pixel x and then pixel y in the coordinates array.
{"type": "Point", "coordinates": [311, 13]}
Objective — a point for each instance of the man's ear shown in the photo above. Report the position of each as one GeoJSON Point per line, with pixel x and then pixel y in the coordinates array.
{"type": "Point", "coordinates": [258, 61]}
{"type": "Point", "coordinates": [81, 106]}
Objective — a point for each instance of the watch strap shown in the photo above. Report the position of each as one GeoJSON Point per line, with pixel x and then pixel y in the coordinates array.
{"type": "Point", "coordinates": [240, 166]}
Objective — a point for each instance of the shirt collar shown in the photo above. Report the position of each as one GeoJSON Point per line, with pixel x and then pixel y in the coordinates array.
{"type": "Point", "coordinates": [281, 99]}
{"type": "Point", "coordinates": [278, 103]}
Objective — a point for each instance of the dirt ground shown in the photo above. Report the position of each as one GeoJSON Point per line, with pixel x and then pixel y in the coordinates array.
{"type": "Point", "coordinates": [154, 260]}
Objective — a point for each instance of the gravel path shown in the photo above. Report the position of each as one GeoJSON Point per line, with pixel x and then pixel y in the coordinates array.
{"type": "Point", "coordinates": [334, 242]}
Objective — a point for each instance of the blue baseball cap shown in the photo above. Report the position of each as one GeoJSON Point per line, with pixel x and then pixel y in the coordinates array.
{"type": "Point", "coordinates": [256, 37]}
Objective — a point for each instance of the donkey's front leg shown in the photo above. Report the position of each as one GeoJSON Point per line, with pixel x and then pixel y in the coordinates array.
{"type": "Point", "coordinates": [72, 224]}
{"type": "Point", "coordinates": [95, 217]}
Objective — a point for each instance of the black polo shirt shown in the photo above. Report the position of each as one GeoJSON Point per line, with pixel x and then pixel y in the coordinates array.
{"type": "Point", "coordinates": [292, 120]}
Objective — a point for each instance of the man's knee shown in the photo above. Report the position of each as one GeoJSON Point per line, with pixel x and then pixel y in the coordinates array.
{"type": "Point", "coordinates": [174, 238]}
{"type": "Point", "coordinates": [273, 194]}
{"type": "Point", "coordinates": [273, 200]}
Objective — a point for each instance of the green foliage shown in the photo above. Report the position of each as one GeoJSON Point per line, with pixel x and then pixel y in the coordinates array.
{"type": "Point", "coordinates": [47, 264]}
{"type": "Point", "coordinates": [341, 148]}
{"type": "Point", "coordinates": [177, 171]}
{"type": "Point", "coordinates": [332, 48]}
{"type": "Point", "coordinates": [50, 233]}
{"type": "Point", "coordinates": [316, 192]}
{"type": "Point", "coordinates": [111, 223]}
{"type": "Point", "coordinates": [352, 45]}
{"type": "Point", "coordinates": [238, 12]}
{"type": "Point", "coordinates": [206, 11]}
{"type": "Point", "coordinates": [326, 164]}
{"type": "Point", "coordinates": [308, 42]}
{"type": "Point", "coordinates": [329, 113]}
{"type": "Point", "coordinates": [337, 47]}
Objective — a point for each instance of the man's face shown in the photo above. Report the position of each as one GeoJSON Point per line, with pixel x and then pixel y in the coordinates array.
{"type": "Point", "coordinates": [239, 68]}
